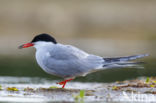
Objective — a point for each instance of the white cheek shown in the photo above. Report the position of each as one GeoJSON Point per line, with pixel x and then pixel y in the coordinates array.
{"type": "Point", "coordinates": [43, 45]}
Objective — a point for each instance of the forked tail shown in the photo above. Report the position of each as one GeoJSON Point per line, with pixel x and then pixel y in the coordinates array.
{"type": "Point", "coordinates": [121, 62]}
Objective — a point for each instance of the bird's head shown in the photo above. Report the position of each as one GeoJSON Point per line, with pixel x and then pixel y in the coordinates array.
{"type": "Point", "coordinates": [40, 39]}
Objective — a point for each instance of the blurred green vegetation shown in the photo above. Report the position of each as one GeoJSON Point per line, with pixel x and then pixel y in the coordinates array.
{"type": "Point", "coordinates": [28, 67]}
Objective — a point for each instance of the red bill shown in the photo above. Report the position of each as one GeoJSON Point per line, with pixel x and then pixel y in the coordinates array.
{"type": "Point", "coordinates": [26, 45]}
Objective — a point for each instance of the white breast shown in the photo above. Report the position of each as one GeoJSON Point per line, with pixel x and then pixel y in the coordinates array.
{"type": "Point", "coordinates": [40, 58]}
{"type": "Point", "coordinates": [42, 53]}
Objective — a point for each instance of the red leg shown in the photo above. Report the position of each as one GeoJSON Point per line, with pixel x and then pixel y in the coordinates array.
{"type": "Point", "coordinates": [64, 82]}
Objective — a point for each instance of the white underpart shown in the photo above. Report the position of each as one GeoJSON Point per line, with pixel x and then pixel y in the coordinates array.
{"type": "Point", "coordinates": [42, 53]}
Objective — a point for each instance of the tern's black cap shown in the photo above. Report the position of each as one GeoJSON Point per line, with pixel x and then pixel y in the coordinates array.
{"type": "Point", "coordinates": [44, 37]}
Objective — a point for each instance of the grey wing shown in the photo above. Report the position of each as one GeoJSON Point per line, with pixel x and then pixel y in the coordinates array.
{"type": "Point", "coordinates": [67, 52]}
{"type": "Point", "coordinates": [68, 61]}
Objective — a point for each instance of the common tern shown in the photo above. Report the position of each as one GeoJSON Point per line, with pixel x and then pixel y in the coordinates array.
{"type": "Point", "coordinates": [68, 62]}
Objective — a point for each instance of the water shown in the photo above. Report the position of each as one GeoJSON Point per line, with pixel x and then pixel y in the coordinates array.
{"type": "Point", "coordinates": [34, 90]}
{"type": "Point", "coordinates": [40, 96]}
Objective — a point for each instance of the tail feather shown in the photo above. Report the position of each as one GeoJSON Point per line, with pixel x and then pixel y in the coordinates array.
{"type": "Point", "coordinates": [121, 62]}
{"type": "Point", "coordinates": [128, 58]}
